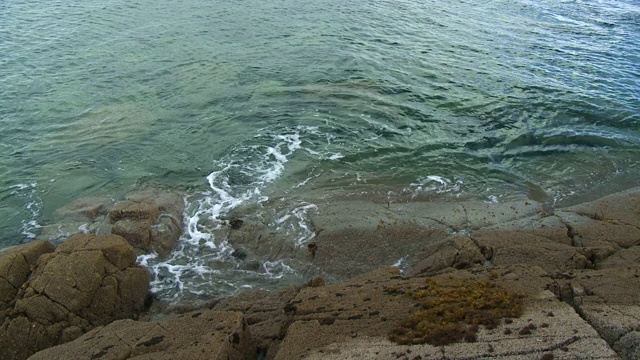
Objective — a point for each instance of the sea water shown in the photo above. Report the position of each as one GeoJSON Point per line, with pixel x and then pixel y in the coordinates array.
{"type": "Point", "coordinates": [265, 106]}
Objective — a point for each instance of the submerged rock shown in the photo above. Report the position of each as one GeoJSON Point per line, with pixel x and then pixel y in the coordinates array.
{"type": "Point", "coordinates": [88, 207]}
{"type": "Point", "coordinates": [149, 220]}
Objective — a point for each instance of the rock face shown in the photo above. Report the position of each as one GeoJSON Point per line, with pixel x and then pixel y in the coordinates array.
{"type": "Point", "coordinates": [16, 265]}
{"type": "Point", "coordinates": [199, 335]}
{"type": "Point", "coordinates": [265, 315]}
{"type": "Point", "coordinates": [149, 221]}
{"type": "Point", "coordinates": [587, 256]}
{"type": "Point", "coordinates": [86, 282]}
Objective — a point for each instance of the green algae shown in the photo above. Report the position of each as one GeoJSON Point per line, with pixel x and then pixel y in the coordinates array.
{"type": "Point", "coordinates": [451, 310]}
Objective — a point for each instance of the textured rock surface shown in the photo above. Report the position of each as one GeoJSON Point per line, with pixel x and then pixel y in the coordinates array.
{"type": "Point", "coordinates": [264, 313]}
{"type": "Point", "coordinates": [149, 220]}
{"type": "Point", "coordinates": [16, 264]}
{"type": "Point", "coordinates": [86, 282]}
{"type": "Point", "coordinates": [578, 269]}
{"type": "Point", "coordinates": [350, 320]}
{"type": "Point", "coordinates": [199, 335]}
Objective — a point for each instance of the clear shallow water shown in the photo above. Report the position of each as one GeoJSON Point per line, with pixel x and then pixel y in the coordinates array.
{"type": "Point", "coordinates": [246, 103]}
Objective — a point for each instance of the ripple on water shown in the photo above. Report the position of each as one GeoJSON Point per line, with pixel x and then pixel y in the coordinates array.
{"type": "Point", "coordinates": [237, 102]}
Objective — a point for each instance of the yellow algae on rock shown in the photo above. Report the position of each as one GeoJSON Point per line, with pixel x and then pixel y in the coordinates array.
{"type": "Point", "coordinates": [451, 310]}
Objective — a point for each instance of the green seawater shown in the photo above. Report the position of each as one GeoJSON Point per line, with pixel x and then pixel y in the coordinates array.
{"type": "Point", "coordinates": [262, 99]}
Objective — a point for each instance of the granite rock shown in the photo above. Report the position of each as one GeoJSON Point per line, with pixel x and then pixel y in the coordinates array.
{"type": "Point", "coordinates": [198, 335]}
{"type": "Point", "coordinates": [86, 282]}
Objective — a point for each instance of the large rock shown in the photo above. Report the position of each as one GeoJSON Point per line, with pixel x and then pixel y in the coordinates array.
{"type": "Point", "coordinates": [149, 220]}
{"type": "Point", "coordinates": [86, 282]}
{"type": "Point", "coordinates": [199, 335]}
{"type": "Point", "coordinates": [458, 252]}
{"type": "Point", "coordinates": [16, 264]}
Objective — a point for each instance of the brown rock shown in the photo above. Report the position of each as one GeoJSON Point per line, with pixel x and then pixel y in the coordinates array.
{"type": "Point", "coordinates": [165, 233]}
{"type": "Point", "coordinates": [149, 220]}
{"type": "Point", "coordinates": [119, 254]}
{"type": "Point", "coordinates": [167, 202]}
{"type": "Point", "coordinates": [352, 319]}
{"type": "Point", "coordinates": [87, 282]}
{"type": "Point", "coordinates": [458, 252]}
{"type": "Point", "coordinates": [263, 312]}
{"type": "Point", "coordinates": [136, 232]}
{"type": "Point", "coordinates": [621, 208]}
{"type": "Point", "coordinates": [608, 300]}
{"type": "Point", "coordinates": [16, 264]}
{"type": "Point", "coordinates": [133, 211]}
{"type": "Point", "coordinates": [199, 335]}
{"type": "Point", "coordinates": [515, 247]}
{"type": "Point", "coordinates": [594, 232]}
{"type": "Point", "coordinates": [609, 258]}
{"type": "Point", "coordinates": [353, 251]}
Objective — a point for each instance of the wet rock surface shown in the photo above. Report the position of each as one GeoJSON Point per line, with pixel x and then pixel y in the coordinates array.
{"type": "Point", "coordinates": [150, 220]}
{"type": "Point", "coordinates": [577, 270]}
{"type": "Point", "coordinates": [86, 282]}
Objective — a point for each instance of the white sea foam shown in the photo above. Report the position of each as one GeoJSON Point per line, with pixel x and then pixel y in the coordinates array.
{"type": "Point", "coordinates": [204, 260]}
{"type": "Point", "coordinates": [492, 199]}
{"type": "Point", "coordinates": [335, 156]}
{"type": "Point", "coordinates": [33, 206]}
{"type": "Point", "coordinates": [434, 184]}
{"type": "Point", "coordinates": [296, 221]}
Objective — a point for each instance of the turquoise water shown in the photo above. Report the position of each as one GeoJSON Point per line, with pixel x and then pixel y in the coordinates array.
{"type": "Point", "coordinates": [238, 102]}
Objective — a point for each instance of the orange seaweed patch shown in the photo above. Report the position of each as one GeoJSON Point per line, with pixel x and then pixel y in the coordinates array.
{"type": "Point", "coordinates": [451, 310]}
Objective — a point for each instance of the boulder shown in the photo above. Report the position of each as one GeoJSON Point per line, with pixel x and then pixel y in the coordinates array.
{"type": "Point", "coordinates": [149, 220]}
{"type": "Point", "coordinates": [136, 231]}
{"type": "Point", "coordinates": [16, 264]}
{"type": "Point", "coordinates": [87, 281]}
{"type": "Point", "coordinates": [133, 210]}
{"type": "Point", "coordinates": [198, 335]}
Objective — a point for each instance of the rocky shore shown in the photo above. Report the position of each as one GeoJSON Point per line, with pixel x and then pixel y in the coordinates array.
{"type": "Point", "coordinates": [572, 276]}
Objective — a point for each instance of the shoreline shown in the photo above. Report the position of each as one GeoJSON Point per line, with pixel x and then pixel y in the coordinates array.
{"type": "Point", "coordinates": [579, 263]}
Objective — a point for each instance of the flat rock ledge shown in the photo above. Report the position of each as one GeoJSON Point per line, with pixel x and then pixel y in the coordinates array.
{"type": "Point", "coordinates": [210, 335]}
{"type": "Point", "coordinates": [577, 270]}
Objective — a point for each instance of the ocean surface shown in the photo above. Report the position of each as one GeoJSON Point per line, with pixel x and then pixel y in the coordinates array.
{"type": "Point", "coordinates": [267, 105]}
